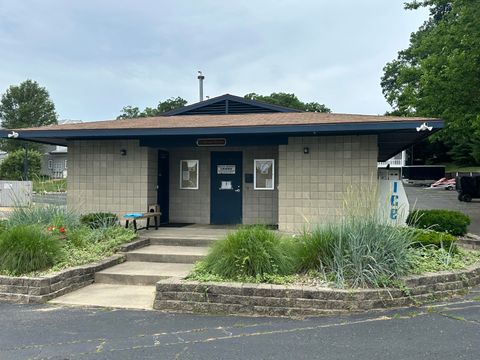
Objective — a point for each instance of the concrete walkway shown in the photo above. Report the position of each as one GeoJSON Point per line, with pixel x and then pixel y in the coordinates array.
{"type": "Point", "coordinates": [172, 253]}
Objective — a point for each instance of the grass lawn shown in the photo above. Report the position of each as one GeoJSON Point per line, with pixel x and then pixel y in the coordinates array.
{"type": "Point", "coordinates": [49, 185]}
{"type": "Point", "coordinates": [451, 167]}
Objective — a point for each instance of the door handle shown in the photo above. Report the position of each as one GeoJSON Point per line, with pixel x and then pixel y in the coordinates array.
{"type": "Point", "coordinates": [238, 190]}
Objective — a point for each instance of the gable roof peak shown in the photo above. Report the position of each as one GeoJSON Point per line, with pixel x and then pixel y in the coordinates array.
{"type": "Point", "coordinates": [229, 104]}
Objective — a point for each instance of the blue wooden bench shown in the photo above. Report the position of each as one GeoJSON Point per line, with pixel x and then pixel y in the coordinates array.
{"type": "Point", "coordinates": [140, 216]}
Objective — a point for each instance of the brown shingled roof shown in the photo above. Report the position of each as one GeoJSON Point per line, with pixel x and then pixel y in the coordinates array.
{"type": "Point", "coordinates": [241, 120]}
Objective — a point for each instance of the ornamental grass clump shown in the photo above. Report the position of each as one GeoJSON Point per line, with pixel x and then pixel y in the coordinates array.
{"type": "Point", "coordinates": [370, 253]}
{"type": "Point", "coordinates": [361, 249]}
{"type": "Point", "coordinates": [46, 216]}
{"type": "Point", "coordinates": [24, 249]}
{"type": "Point", "coordinates": [249, 252]}
{"type": "Point", "coordinates": [315, 248]}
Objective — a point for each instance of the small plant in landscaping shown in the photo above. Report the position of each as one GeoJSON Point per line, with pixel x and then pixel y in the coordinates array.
{"type": "Point", "coordinates": [453, 222]}
{"type": "Point", "coordinates": [56, 230]}
{"type": "Point", "coordinates": [249, 252]}
{"type": "Point", "coordinates": [28, 248]}
{"type": "Point", "coordinates": [437, 239]}
{"type": "Point", "coordinates": [99, 220]}
{"type": "Point", "coordinates": [432, 259]}
{"type": "Point", "coordinates": [84, 245]}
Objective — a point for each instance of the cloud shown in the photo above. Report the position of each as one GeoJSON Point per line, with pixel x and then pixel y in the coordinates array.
{"type": "Point", "coordinates": [96, 57]}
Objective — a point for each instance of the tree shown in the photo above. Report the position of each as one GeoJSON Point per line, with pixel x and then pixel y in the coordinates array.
{"type": "Point", "coordinates": [438, 75]}
{"type": "Point", "coordinates": [25, 105]}
{"type": "Point", "coordinates": [12, 167]}
{"type": "Point", "coordinates": [129, 112]}
{"type": "Point", "coordinates": [288, 100]}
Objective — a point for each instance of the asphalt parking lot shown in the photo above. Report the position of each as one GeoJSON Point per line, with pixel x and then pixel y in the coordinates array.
{"type": "Point", "coordinates": [438, 331]}
{"type": "Point", "coordinates": [425, 198]}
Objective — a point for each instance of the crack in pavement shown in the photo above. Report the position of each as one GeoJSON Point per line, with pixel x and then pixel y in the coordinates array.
{"type": "Point", "coordinates": [243, 335]}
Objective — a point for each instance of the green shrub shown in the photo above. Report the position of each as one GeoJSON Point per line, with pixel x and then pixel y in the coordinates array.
{"type": "Point", "coordinates": [99, 220]}
{"type": "Point", "coordinates": [435, 238]}
{"type": "Point", "coordinates": [27, 248]}
{"type": "Point", "coordinates": [453, 222]}
{"type": "Point", "coordinates": [12, 166]}
{"type": "Point", "coordinates": [44, 216]}
{"type": "Point", "coordinates": [249, 252]}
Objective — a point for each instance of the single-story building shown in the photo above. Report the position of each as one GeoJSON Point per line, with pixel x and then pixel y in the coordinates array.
{"type": "Point", "coordinates": [228, 160]}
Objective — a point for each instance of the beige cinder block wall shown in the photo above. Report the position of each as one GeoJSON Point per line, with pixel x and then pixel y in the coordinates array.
{"type": "Point", "coordinates": [193, 206]}
{"type": "Point", "coordinates": [312, 186]}
{"type": "Point", "coordinates": [101, 179]}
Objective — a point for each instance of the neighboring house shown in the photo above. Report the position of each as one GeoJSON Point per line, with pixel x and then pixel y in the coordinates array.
{"type": "Point", "coordinates": [392, 168]}
{"type": "Point", "coordinates": [54, 161]}
{"type": "Point", "coordinates": [228, 160]}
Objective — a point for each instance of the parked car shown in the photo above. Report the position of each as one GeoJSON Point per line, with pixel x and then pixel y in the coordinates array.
{"type": "Point", "coordinates": [443, 183]}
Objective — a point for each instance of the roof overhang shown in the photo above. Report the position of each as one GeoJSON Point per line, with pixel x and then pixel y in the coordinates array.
{"type": "Point", "coordinates": [393, 136]}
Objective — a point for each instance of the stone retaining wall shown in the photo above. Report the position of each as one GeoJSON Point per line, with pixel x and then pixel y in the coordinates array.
{"type": "Point", "coordinates": [283, 300]}
{"type": "Point", "coordinates": [42, 289]}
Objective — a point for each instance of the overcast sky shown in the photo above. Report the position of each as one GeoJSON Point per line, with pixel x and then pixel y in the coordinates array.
{"type": "Point", "coordinates": [96, 56]}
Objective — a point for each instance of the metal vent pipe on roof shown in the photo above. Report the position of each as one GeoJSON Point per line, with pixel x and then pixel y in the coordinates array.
{"type": "Point", "coordinates": [200, 78]}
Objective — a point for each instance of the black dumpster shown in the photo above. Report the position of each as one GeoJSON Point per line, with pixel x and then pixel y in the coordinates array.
{"type": "Point", "coordinates": [468, 187]}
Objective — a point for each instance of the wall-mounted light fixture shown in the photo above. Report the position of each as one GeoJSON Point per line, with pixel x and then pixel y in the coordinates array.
{"type": "Point", "coordinates": [123, 152]}
{"type": "Point", "coordinates": [306, 150]}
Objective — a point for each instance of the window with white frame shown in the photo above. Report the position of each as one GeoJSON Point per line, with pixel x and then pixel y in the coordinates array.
{"type": "Point", "coordinates": [264, 174]}
{"type": "Point", "coordinates": [50, 164]}
{"type": "Point", "coordinates": [189, 174]}
{"type": "Point", "coordinates": [65, 165]}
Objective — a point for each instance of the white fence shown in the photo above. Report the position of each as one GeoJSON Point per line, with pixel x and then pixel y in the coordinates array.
{"type": "Point", "coordinates": [15, 193]}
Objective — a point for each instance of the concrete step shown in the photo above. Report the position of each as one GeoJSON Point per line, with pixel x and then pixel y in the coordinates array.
{"type": "Point", "coordinates": [141, 273]}
{"type": "Point", "coordinates": [109, 295]}
{"type": "Point", "coordinates": [168, 254]}
{"type": "Point", "coordinates": [202, 241]}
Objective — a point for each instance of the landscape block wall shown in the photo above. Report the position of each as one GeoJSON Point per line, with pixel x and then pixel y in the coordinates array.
{"type": "Point", "coordinates": [312, 186]}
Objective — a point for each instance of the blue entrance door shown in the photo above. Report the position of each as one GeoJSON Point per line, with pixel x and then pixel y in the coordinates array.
{"type": "Point", "coordinates": [226, 187]}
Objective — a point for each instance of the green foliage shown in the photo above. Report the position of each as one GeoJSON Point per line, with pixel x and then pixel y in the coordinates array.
{"type": "Point", "coordinates": [43, 184]}
{"type": "Point", "coordinates": [288, 100]}
{"type": "Point", "coordinates": [432, 259]}
{"type": "Point", "coordinates": [12, 167]}
{"type": "Point", "coordinates": [84, 245]}
{"type": "Point", "coordinates": [315, 249]}
{"type": "Point", "coordinates": [369, 252]}
{"type": "Point", "coordinates": [27, 248]}
{"type": "Point", "coordinates": [453, 222]}
{"type": "Point", "coordinates": [249, 252]}
{"type": "Point", "coordinates": [25, 105]}
{"type": "Point", "coordinates": [130, 112]}
{"type": "Point", "coordinates": [435, 238]}
{"type": "Point", "coordinates": [45, 216]}
{"type": "Point", "coordinates": [99, 220]}
{"type": "Point", "coordinates": [438, 75]}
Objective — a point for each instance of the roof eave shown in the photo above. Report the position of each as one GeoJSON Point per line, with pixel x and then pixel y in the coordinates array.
{"type": "Point", "coordinates": [319, 129]}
